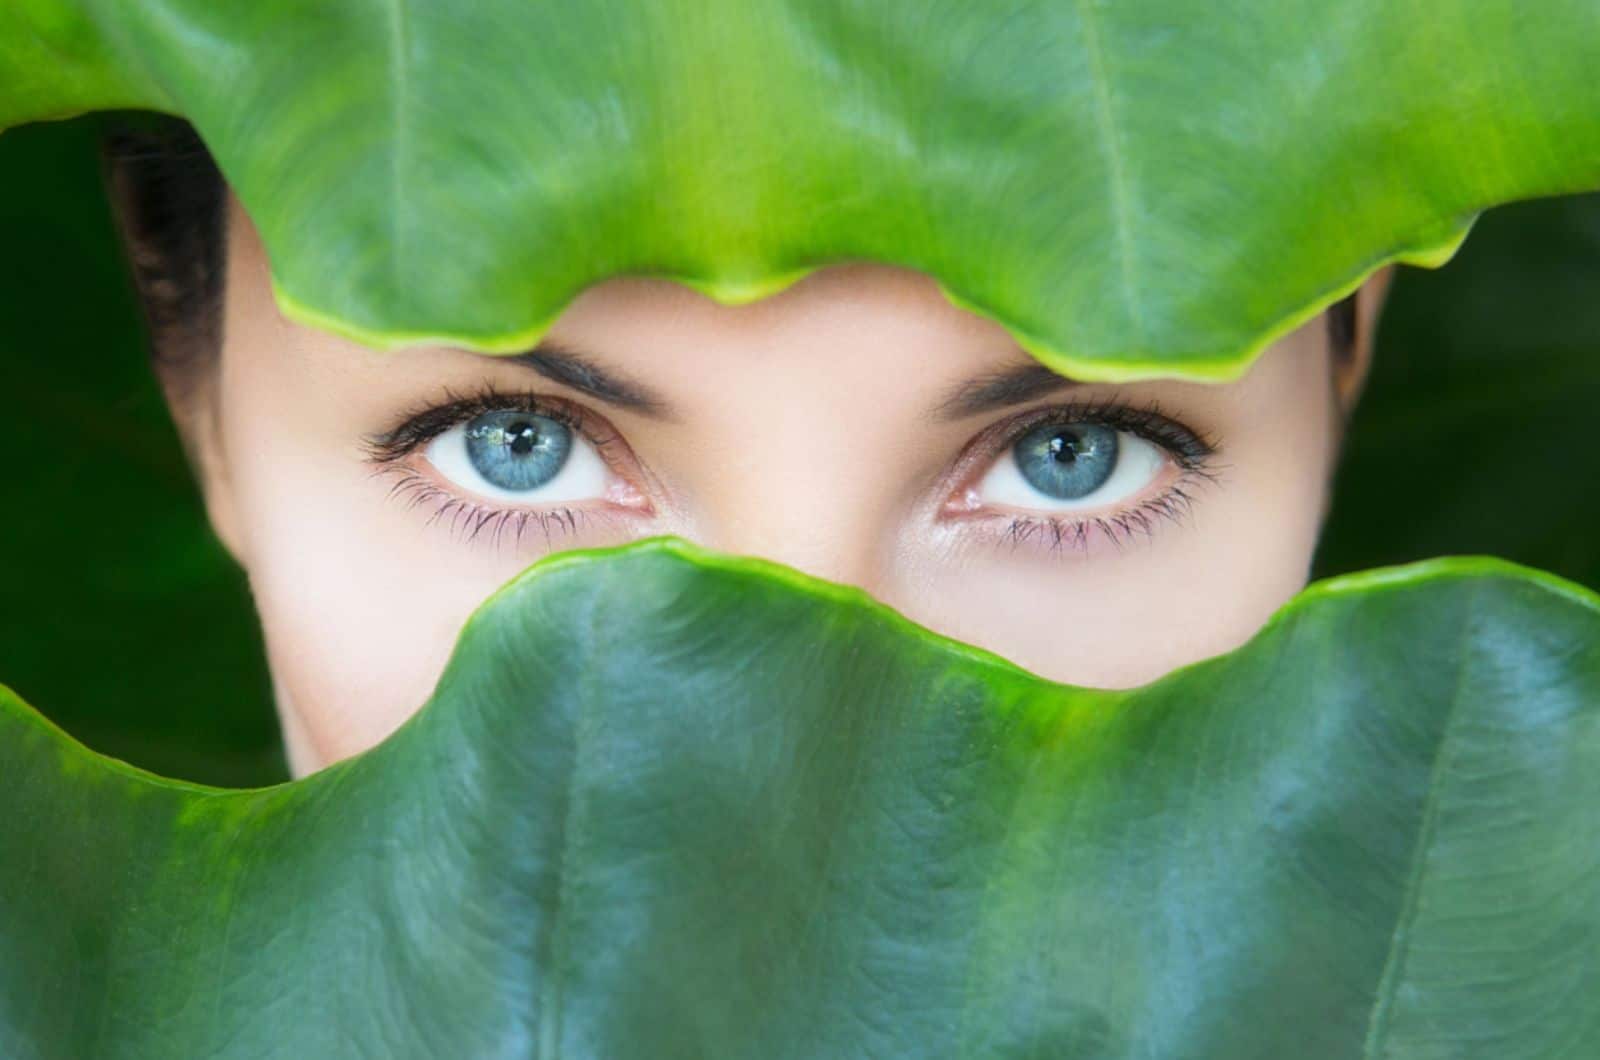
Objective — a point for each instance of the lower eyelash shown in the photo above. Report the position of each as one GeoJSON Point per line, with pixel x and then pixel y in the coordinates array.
{"type": "Point", "coordinates": [469, 520]}
{"type": "Point", "coordinates": [1060, 534]}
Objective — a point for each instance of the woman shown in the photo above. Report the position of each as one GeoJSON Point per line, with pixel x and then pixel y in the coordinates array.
{"type": "Point", "coordinates": [856, 426]}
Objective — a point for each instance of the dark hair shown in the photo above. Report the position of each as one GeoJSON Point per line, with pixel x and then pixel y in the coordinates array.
{"type": "Point", "coordinates": [169, 200]}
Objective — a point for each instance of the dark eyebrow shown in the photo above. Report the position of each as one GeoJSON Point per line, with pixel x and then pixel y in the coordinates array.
{"type": "Point", "coordinates": [1002, 389]}
{"type": "Point", "coordinates": [568, 367]}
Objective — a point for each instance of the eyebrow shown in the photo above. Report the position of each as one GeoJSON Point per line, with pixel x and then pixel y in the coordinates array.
{"type": "Point", "coordinates": [564, 365]}
{"type": "Point", "coordinates": [998, 390]}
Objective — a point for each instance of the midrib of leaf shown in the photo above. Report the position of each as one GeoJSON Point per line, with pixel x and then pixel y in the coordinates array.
{"type": "Point", "coordinates": [1400, 941]}
{"type": "Point", "coordinates": [1105, 120]}
{"type": "Point", "coordinates": [399, 103]}
{"type": "Point", "coordinates": [554, 988]}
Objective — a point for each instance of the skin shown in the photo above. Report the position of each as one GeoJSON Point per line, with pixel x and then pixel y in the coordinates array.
{"type": "Point", "coordinates": [813, 427]}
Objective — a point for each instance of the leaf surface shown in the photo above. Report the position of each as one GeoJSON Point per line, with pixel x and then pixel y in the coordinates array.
{"type": "Point", "coordinates": [1135, 188]}
{"type": "Point", "coordinates": [669, 804]}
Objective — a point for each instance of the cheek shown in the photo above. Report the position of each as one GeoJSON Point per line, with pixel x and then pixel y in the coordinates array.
{"type": "Point", "coordinates": [353, 652]}
{"type": "Point", "coordinates": [360, 603]}
{"type": "Point", "coordinates": [360, 610]}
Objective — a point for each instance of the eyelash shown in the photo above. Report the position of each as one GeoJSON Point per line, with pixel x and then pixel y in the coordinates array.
{"type": "Point", "coordinates": [1192, 451]}
{"type": "Point", "coordinates": [424, 423]}
{"type": "Point", "coordinates": [471, 520]}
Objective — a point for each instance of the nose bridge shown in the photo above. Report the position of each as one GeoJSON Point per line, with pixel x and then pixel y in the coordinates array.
{"type": "Point", "coordinates": [798, 482]}
{"type": "Point", "coordinates": [810, 442]}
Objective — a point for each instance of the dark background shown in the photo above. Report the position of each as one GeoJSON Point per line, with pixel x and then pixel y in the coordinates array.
{"type": "Point", "coordinates": [122, 619]}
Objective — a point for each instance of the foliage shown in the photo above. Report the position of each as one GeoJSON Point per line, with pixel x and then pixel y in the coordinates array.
{"type": "Point", "coordinates": [1133, 188]}
{"type": "Point", "coordinates": [666, 804]}
{"type": "Point", "coordinates": [671, 804]}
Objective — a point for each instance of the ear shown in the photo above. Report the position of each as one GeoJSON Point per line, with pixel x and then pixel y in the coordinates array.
{"type": "Point", "coordinates": [1350, 374]}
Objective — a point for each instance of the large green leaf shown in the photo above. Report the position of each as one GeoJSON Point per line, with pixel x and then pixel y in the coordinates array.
{"type": "Point", "coordinates": [666, 804]}
{"type": "Point", "coordinates": [1132, 187]}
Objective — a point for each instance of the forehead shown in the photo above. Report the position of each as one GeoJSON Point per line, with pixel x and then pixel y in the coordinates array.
{"type": "Point", "coordinates": [859, 324]}
{"type": "Point", "coordinates": [855, 324]}
{"type": "Point", "coordinates": [871, 338]}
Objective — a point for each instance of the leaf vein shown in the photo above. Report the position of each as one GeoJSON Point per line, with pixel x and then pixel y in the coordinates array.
{"type": "Point", "coordinates": [1400, 940]}
{"type": "Point", "coordinates": [1111, 145]}
{"type": "Point", "coordinates": [399, 103]}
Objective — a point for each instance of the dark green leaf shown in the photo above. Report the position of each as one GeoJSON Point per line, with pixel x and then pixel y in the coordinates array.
{"type": "Point", "coordinates": [665, 804]}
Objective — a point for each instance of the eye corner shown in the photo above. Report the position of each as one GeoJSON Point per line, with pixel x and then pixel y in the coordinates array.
{"type": "Point", "coordinates": [379, 450]}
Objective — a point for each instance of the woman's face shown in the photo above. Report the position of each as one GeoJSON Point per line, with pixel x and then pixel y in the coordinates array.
{"type": "Point", "coordinates": [856, 426]}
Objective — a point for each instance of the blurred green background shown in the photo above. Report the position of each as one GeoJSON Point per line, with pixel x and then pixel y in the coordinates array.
{"type": "Point", "coordinates": [122, 619]}
{"type": "Point", "coordinates": [1477, 432]}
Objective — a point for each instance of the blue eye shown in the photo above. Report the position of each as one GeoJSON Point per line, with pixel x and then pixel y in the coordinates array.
{"type": "Point", "coordinates": [1067, 461]}
{"type": "Point", "coordinates": [1066, 466]}
{"type": "Point", "coordinates": [516, 455]}
{"type": "Point", "coordinates": [517, 451]}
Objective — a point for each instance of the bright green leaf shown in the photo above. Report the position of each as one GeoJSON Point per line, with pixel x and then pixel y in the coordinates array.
{"type": "Point", "coordinates": [665, 804]}
{"type": "Point", "coordinates": [1136, 187]}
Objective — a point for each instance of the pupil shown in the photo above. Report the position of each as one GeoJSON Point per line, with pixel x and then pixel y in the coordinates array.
{"type": "Point", "coordinates": [1064, 447]}
{"type": "Point", "coordinates": [524, 436]}
{"type": "Point", "coordinates": [1067, 461]}
{"type": "Point", "coordinates": [517, 451]}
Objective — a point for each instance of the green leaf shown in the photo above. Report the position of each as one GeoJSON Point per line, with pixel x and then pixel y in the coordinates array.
{"type": "Point", "coordinates": [1132, 188]}
{"type": "Point", "coordinates": [667, 804]}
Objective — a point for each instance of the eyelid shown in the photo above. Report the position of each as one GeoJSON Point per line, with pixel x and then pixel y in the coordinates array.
{"type": "Point", "coordinates": [1147, 420]}
{"type": "Point", "coordinates": [1192, 452]}
{"type": "Point", "coordinates": [395, 451]}
{"type": "Point", "coordinates": [1190, 449]}
{"type": "Point", "coordinates": [422, 424]}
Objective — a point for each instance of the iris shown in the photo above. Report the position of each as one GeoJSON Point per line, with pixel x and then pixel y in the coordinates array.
{"type": "Point", "coordinates": [517, 451]}
{"type": "Point", "coordinates": [1067, 461]}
